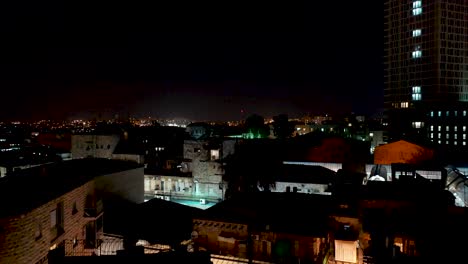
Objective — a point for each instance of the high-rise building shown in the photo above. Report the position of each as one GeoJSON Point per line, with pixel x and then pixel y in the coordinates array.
{"type": "Point", "coordinates": [426, 70]}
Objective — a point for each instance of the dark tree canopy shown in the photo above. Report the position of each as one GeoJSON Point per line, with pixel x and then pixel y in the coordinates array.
{"type": "Point", "coordinates": [282, 127]}
{"type": "Point", "coordinates": [255, 125]}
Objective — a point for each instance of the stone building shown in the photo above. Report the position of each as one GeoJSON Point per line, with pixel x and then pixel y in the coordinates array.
{"type": "Point", "coordinates": [169, 187]}
{"type": "Point", "coordinates": [58, 208]}
{"type": "Point", "coordinates": [203, 158]}
{"type": "Point", "coordinates": [264, 227]}
{"type": "Point", "coordinates": [95, 146]}
{"type": "Point", "coordinates": [304, 179]}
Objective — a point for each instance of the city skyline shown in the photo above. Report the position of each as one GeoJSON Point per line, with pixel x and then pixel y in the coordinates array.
{"type": "Point", "coordinates": [204, 61]}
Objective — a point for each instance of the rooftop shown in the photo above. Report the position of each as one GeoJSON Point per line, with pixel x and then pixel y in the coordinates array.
{"type": "Point", "coordinates": [24, 190]}
{"type": "Point", "coordinates": [306, 174]}
{"type": "Point", "coordinates": [283, 212]}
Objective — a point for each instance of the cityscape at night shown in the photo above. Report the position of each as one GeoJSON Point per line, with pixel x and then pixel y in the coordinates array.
{"type": "Point", "coordinates": [330, 132]}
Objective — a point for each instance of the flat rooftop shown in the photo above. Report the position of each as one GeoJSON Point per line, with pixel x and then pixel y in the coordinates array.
{"type": "Point", "coordinates": [24, 190]}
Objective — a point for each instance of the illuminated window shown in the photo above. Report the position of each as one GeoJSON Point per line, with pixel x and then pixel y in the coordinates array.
{"type": "Point", "coordinates": [417, 124]}
{"type": "Point", "coordinates": [416, 54]}
{"type": "Point", "coordinates": [455, 143]}
{"type": "Point", "coordinates": [438, 141]}
{"type": "Point", "coordinates": [416, 96]}
{"type": "Point", "coordinates": [447, 142]}
{"type": "Point", "coordinates": [404, 104]}
{"type": "Point", "coordinates": [214, 154]}
{"type": "Point", "coordinates": [464, 143]}
{"type": "Point", "coordinates": [432, 135]}
{"type": "Point", "coordinates": [447, 113]}
{"type": "Point", "coordinates": [439, 113]}
{"type": "Point", "coordinates": [447, 128]}
{"type": "Point", "coordinates": [416, 32]}
{"type": "Point", "coordinates": [432, 128]}
{"type": "Point", "coordinates": [438, 135]}
{"type": "Point", "coordinates": [447, 136]}
{"type": "Point", "coordinates": [416, 4]}
{"type": "Point", "coordinates": [455, 128]}
{"type": "Point", "coordinates": [455, 113]}
{"type": "Point", "coordinates": [454, 136]}
{"type": "Point", "coordinates": [464, 136]}
{"type": "Point", "coordinates": [432, 113]}
{"type": "Point", "coordinates": [464, 112]}
{"type": "Point", "coordinates": [417, 11]}
{"type": "Point", "coordinates": [464, 128]}
{"type": "Point", "coordinates": [439, 128]}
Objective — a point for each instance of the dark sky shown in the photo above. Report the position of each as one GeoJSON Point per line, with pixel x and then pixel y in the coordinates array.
{"type": "Point", "coordinates": [191, 59]}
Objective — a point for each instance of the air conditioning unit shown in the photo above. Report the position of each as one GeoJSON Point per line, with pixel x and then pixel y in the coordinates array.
{"type": "Point", "coordinates": [202, 201]}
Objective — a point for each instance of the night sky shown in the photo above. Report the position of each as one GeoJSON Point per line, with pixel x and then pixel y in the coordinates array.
{"type": "Point", "coordinates": [201, 60]}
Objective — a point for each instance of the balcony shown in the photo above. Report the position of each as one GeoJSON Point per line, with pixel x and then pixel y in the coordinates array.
{"type": "Point", "coordinates": [93, 210]}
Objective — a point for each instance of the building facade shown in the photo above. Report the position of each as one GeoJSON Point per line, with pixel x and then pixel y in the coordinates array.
{"type": "Point", "coordinates": [426, 70]}
{"type": "Point", "coordinates": [95, 146]}
{"type": "Point", "coordinates": [58, 208]}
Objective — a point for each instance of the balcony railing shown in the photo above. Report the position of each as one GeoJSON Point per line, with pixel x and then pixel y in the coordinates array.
{"type": "Point", "coordinates": [93, 211]}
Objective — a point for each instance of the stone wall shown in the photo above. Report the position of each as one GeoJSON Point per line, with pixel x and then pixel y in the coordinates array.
{"type": "Point", "coordinates": [27, 238]}
{"type": "Point", "coordinates": [96, 146]}
{"type": "Point", "coordinates": [174, 186]}
{"type": "Point", "coordinates": [225, 238]}
{"type": "Point", "coordinates": [302, 187]}
{"type": "Point", "coordinates": [140, 159]}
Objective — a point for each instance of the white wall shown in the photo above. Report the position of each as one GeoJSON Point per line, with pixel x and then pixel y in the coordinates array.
{"type": "Point", "coordinates": [312, 188]}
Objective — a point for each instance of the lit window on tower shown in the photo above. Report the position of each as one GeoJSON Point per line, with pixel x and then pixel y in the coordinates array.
{"type": "Point", "coordinates": [416, 54]}
{"type": "Point", "coordinates": [416, 96]}
{"type": "Point", "coordinates": [417, 8]}
{"type": "Point", "coordinates": [416, 32]}
{"type": "Point", "coordinates": [417, 11]}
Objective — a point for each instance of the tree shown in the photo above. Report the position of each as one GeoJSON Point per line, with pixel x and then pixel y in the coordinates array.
{"type": "Point", "coordinates": [255, 126]}
{"type": "Point", "coordinates": [253, 167]}
{"type": "Point", "coordinates": [282, 127]}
